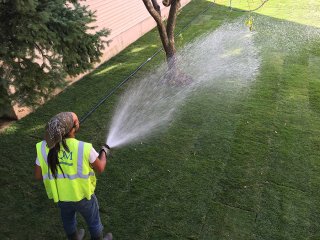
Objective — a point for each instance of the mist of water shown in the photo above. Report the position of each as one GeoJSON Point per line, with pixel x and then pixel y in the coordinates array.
{"type": "Point", "coordinates": [282, 36]}
{"type": "Point", "coordinates": [226, 59]}
{"type": "Point", "coordinates": [149, 105]}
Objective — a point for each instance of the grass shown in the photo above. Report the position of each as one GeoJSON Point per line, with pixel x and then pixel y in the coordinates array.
{"type": "Point", "coordinates": [229, 167]}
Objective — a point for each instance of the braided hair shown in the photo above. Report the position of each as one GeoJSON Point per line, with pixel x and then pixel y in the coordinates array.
{"type": "Point", "coordinates": [53, 159]}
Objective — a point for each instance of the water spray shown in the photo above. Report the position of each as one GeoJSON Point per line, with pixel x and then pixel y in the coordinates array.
{"type": "Point", "coordinates": [108, 94]}
{"type": "Point", "coordinates": [150, 104]}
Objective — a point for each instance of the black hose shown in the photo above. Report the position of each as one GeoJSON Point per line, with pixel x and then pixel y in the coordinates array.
{"type": "Point", "coordinates": [253, 10]}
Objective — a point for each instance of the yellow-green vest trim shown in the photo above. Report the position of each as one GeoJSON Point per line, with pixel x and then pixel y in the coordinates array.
{"type": "Point", "coordinates": [77, 181]}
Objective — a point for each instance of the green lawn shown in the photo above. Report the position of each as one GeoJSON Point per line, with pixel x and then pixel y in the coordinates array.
{"type": "Point", "coordinates": [231, 166]}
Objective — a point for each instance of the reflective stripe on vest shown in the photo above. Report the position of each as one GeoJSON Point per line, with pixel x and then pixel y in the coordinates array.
{"type": "Point", "coordinates": [79, 167]}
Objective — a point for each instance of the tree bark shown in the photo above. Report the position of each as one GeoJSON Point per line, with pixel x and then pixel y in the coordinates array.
{"type": "Point", "coordinates": [166, 32]}
{"type": "Point", "coordinates": [175, 5]}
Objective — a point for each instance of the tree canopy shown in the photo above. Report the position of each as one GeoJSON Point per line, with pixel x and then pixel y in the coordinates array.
{"type": "Point", "coordinates": [43, 41]}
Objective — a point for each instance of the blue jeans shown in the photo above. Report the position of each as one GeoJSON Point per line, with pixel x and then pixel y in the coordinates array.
{"type": "Point", "coordinates": [89, 209]}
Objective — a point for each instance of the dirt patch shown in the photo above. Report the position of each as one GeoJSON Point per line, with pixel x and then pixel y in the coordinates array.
{"type": "Point", "coordinates": [5, 123]}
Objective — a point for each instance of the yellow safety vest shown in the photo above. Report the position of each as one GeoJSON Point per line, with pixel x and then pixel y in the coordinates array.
{"type": "Point", "coordinates": [77, 181]}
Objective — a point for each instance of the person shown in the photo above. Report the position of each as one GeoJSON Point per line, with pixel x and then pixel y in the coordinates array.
{"type": "Point", "coordinates": [66, 166]}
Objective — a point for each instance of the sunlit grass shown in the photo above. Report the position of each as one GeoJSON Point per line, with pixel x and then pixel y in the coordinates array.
{"type": "Point", "coordinates": [302, 12]}
{"type": "Point", "coordinates": [107, 69]}
{"type": "Point", "coordinates": [135, 50]}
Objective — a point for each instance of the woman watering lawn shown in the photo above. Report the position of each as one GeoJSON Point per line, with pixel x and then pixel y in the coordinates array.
{"type": "Point", "coordinates": [66, 166]}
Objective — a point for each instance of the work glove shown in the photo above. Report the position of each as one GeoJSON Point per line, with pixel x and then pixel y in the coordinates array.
{"type": "Point", "coordinates": [106, 149]}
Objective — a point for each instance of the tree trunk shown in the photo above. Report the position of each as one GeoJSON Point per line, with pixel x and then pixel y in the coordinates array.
{"type": "Point", "coordinates": [166, 32]}
{"type": "Point", "coordinates": [175, 5]}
